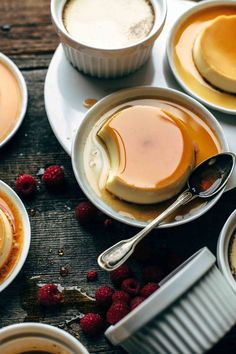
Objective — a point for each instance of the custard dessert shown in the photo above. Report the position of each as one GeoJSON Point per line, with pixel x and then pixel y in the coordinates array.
{"type": "Point", "coordinates": [11, 236]}
{"type": "Point", "coordinates": [10, 101]}
{"type": "Point", "coordinates": [151, 154]}
{"type": "Point", "coordinates": [214, 53]}
{"type": "Point", "coordinates": [108, 24]}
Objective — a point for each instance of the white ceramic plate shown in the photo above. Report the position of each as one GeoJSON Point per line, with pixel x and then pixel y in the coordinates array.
{"type": "Point", "coordinates": [66, 88]}
{"type": "Point", "coordinates": [21, 82]}
{"type": "Point", "coordinates": [117, 100]}
{"type": "Point", "coordinates": [27, 234]}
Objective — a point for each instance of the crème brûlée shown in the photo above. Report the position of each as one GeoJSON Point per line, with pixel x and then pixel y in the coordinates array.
{"type": "Point", "coordinates": [151, 154]}
{"type": "Point", "coordinates": [6, 238]}
{"type": "Point", "coordinates": [214, 53]}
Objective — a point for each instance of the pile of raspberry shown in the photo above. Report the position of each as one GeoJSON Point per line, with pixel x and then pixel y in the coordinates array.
{"type": "Point", "coordinates": [116, 303]}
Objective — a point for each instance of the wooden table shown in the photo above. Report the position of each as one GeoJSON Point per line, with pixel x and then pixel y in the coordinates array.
{"type": "Point", "coordinates": [26, 35]}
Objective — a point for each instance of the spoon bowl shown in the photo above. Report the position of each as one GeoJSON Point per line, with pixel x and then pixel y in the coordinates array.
{"type": "Point", "coordinates": [206, 180]}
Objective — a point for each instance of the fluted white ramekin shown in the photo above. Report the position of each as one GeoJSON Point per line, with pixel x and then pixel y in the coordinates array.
{"type": "Point", "coordinates": [30, 337]}
{"type": "Point", "coordinates": [107, 63]}
{"type": "Point", "coordinates": [194, 307]}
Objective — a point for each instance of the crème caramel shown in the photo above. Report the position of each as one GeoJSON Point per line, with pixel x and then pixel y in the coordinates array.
{"type": "Point", "coordinates": [6, 238]}
{"type": "Point", "coordinates": [151, 154]}
{"type": "Point", "coordinates": [214, 53]}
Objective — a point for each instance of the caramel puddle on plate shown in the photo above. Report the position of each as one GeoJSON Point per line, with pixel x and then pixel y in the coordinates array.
{"type": "Point", "coordinates": [9, 208]}
{"type": "Point", "coordinates": [10, 101]}
{"type": "Point", "coordinates": [183, 59]}
{"type": "Point", "coordinates": [89, 102]}
{"type": "Point", "coordinates": [96, 161]}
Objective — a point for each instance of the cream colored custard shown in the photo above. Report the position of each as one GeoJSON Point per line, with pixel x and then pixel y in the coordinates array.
{"type": "Point", "coordinates": [214, 53]}
{"type": "Point", "coordinates": [6, 238]}
{"type": "Point", "coordinates": [108, 24]}
{"type": "Point", "coordinates": [151, 154]}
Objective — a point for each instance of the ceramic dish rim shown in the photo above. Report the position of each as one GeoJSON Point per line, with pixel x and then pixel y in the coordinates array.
{"type": "Point", "coordinates": [41, 328]}
{"type": "Point", "coordinates": [223, 248]}
{"type": "Point", "coordinates": [177, 24]}
{"type": "Point", "coordinates": [24, 95]}
{"type": "Point", "coordinates": [161, 91]}
{"type": "Point", "coordinates": [27, 235]}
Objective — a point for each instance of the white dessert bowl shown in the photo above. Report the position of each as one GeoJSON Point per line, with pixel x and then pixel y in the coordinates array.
{"type": "Point", "coordinates": [24, 95]}
{"type": "Point", "coordinates": [170, 46]}
{"type": "Point", "coordinates": [193, 308]}
{"type": "Point", "coordinates": [227, 232]}
{"type": "Point", "coordinates": [108, 63]}
{"type": "Point", "coordinates": [27, 234]}
{"type": "Point", "coordinates": [27, 337]}
{"type": "Point", "coordinates": [114, 100]}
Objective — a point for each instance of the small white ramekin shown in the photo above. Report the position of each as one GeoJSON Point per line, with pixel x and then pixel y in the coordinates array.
{"type": "Point", "coordinates": [194, 307]}
{"type": "Point", "coordinates": [26, 337]}
{"type": "Point", "coordinates": [27, 234]}
{"type": "Point", "coordinates": [24, 95]}
{"type": "Point", "coordinates": [107, 63]}
{"type": "Point", "coordinates": [223, 244]}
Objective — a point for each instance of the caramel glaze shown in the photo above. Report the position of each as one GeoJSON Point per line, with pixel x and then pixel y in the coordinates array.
{"type": "Point", "coordinates": [183, 59]}
{"type": "Point", "coordinates": [206, 145]}
{"type": "Point", "coordinates": [10, 101]}
{"type": "Point", "coordinates": [8, 206]}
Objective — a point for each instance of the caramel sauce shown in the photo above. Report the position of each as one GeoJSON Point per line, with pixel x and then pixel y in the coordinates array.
{"type": "Point", "coordinates": [96, 161]}
{"type": "Point", "coordinates": [183, 59]}
{"type": "Point", "coordinates": [89, 102]}
{"type": "Point", "coordinates": [13, 213]}
{"type": "Point", "coordinates": [141, 141]}
{"type": "Point", "coordinates": [10, 101]}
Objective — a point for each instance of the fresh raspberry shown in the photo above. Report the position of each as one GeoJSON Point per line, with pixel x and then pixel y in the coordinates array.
{"type": "Point", "coordinates": [103, 296]}
{"type": "Point", "coordinates": [92, 275]}
{"type": "Point", "coordinates": [120, 274]}
{"type": "Point", "coordinates": [91, 323]}
{"type": "Point", "coordinates": [108, 223]}
{"type": "Point", "coordinates": [85, 212]}
{"type": "Point", "coordinates": [152, 274]}
{"type": "Point", "coordinates": [26, 185]}
{"type": "Point", "coordinates": [49, 295]}
{"type": "Point", "coordinates": [136, 301]}
{"type": "Point", "coordinates": [121, 295]}
{"type": "Point", "coordinates": [117, 311]}
{"type": "Point", "coordinates": [54, 176]}
{"type": "Point", "coordinates": [148, 289]}
{"type": "Point", "coordinates": [131, 286]}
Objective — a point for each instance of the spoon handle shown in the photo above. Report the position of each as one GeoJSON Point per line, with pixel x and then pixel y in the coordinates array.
{"type": "Point", "coordinates": [117, 254]}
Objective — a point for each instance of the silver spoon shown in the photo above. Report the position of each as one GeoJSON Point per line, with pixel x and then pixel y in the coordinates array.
{"type": "Point", "coordinates": [205, 181]}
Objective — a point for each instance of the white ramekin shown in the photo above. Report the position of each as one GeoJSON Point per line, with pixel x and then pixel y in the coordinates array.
{"type": "Point", "coordinates": [27, 234]}
{"type": "Point", "coordinates": [194, 307]}
{"type": "Point", "coordinates": [26, 337]}
{"type": "Point", "coordinates": [226, 234]}
{"type": "Point", "coordinates": [107, 63]}
{"type": "Point", "coordinates": [114, 100]}
{"type": "Point", "coordinates": [24, 95]}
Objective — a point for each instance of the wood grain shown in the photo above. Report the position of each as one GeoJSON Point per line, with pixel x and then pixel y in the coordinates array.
{"type": "Point", "coordinates": [29, 39]}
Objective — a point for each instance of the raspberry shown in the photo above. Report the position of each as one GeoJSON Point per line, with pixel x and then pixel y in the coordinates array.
{"type": "Point", "coordinates": [120, 274]}
{"type": "Point", "coordinates": [92, 275]}
{"type": "Point", "coordinates": [26, 185]}
{"type": "Point", "coordinates": [121, 296]}
{"type": "Point", "coordinates": [131, 286]}
{"type": "Point", "coordinates": [49, 295]}
{"type": "Point", "coordinates": [148, 289]}
{"type": "Point", "coordinates": [117, 311]}
{"type": "Point", "coordinates": [136, 301]}
{"type": "Point", "coordinates": [85, 212]}
{"type": "Point", "coordinates": [91, 323]}
{"type": "Point", "coordinates": [152, 274]}
{"type": "Point", "coordinates": [103, 296]}
{"type": "Point", "coordinates": [53, 176]}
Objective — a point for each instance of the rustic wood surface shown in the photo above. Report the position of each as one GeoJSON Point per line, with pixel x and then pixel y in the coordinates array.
{"type": "Point", "coordinates": [26, 35]}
